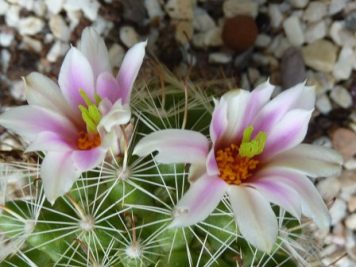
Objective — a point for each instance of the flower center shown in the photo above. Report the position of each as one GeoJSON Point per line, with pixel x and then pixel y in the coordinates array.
{"type": "Point", "coordinates": [88, 141]}
{"type": "Point", "coordinates": [236, 163]}
{"type": "Point", "coordinates": [91, 114]}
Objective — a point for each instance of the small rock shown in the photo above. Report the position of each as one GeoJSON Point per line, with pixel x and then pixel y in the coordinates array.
{"type": "Point", "coordinates": [253, 75]}
{"type": "Point", "coordinates": [59, 28]}
{"type": "Point", "coordinates": [243, 59]}
{"type": "Point", "coordinates": [293, 30]}
{"type": "Point", "coordinates": [102, 26]}
{"type": "Point", "coordinates": [129, 36]}
{"type": "Point", "coordinates": [320, 55]}
{"type": "Point", "coordinates": [202, 22]}
{"type": "Point", "coordinates": [323, 104]}
{"type": "Point", "coordinates": [116, 55]}
{"type": "Point", "coordinates": [234, 8]}
{"type": "Point", "coordinates": [350, 164]}
{"type": "Point", "coordinates": [184, 31]}
{"type": "Point", "coordinates": [90, 9]}
{"type": "Point", "coordinates": [154, 9]}
{"type": "Point", "coordinates": [344, 141]}
{"type": "Point", "coordinates": [351, 204]}
{"type": "Point", "coordinates": [315, 11]}
{"type": "Point", "coordinates": [340, 35]}
{"type": "Point", "coordinates": [5, 57]}
{"type": "Point", "coordinates": [40, 8]}
{"type": "Point", "coordinates": [275, 15]}
{"type": "Point", "coordinates": [350, 22]}
{"type": "Point", "coordinates": [329, 188]}
{"type": "Point", "coordinates": [315, 31]}
{"type": "Point", "coordinates": [30, 26]}
{"type": "Point", "coordinates": [57, 50]}
{"type": "Point", "coordinates": [180, 9]}
{"type": "Point", "coordinates": [263, 40]}
{"type": "Point", "coordinates": [292, 68]}
{"type": "Point", "coordinates": [3, 8]}
{"type": "Point", "coordinates": [341, 96]}
{"type": "Point", "coordinates": [279, 45]}
{"type": "Point", "coordinates": [336, 6]}
{"type": "Point", "coordinates": [54, 6]}
{"type": "Point", "coordinates": [12, 16]}
{"type": "Point", "coordinates": [17, 90]}
{"type": "Point", "coordinates": [323, 141]}
{"type": "Point", "coordinates": [298, 3]}
{"type": "Point", "coordinates": [321, 81]}
{"type": "Point", "coordinates": [351, 222]}
{"type": "Point", "coordinates": [211, 38]}
{"type": "Point", "coordinates": [343, 67]}
{"type": "Point", "coordinates": [6, 38]}
{"type": "Point", "coordinates": [134, 11]}
{"type": "Point", "coordinates": [29, 43]}
{"type": "Point", "coordinates": [239, 33]}
{"type": "Point", "coordinates": [337, 211]}
{"type": "Point", "coordinates": [220, 58]}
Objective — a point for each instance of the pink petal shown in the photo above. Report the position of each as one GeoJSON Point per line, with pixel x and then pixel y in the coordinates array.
{"type": "Point", "coordinates": [85, 160]}
{"type": "Point", "coordinates": [311, 160]}
{"type": "Point", "coordinates": [287, 133]}
{"type": "Point", "coordinates": [254, 216]}
{"type": "Point", "coordinates": [29, 121]}
{"type": "Point", "coordinates": [312, 203]}
{"type": "Point", "coordinates": [211, 164]}
{"type": "Point", "coordinates": [174, 146]}
{"type": "Point", "coordinates": [50, 141]}
{"type": "Point", "coordinates": [129, 69]}
{"type": "Point", "coordinates": [75, 75]}
{"type": "Point", "coordinates": [58, 174]}
{"type": "Point", "coordinates": [108, 87]}
{"type": "Point", "coordinates": [118, 115]}
{"type": "Point", "coordinates": [94, 49]}
{"type": "Point", "coordinates": [219, 121]}
{"type": "Point", "coordinates": [199, 201]}
{"type": "Point", "coordinates": [279, 194]}
{"type": "Point", "coordinates": [276, 109]}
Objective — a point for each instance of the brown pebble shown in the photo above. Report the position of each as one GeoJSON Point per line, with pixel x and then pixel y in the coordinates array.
{"type": "Point", "coordinates": [344, 141]}
{"type": "Point", "coordinates": [240, 32]}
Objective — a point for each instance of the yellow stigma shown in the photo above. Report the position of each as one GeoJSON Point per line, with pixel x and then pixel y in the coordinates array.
{"type": "Point", "coordinates": [235, 162]}
{"type": "Point", "coordinates": [90, 114]}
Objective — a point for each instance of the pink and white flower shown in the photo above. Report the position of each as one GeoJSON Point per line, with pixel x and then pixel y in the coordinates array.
{"type": "Point", "coordinates": [77, 122]}
{"type": "Point", "coordinates": [255, 156]}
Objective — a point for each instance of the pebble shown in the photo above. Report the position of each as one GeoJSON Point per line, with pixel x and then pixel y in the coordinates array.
{"type": "Point", "coordinates": [323, 104]}
{"type": "Point", "coordinates": [315, 11]}
{"type": "Point", "coordinates": [129, 36]}
{"type": "Point", "coordinates": [30, 25]}
{"type": "Point", "coordinates": [3, 8]}
{"type": "Point", "coordinates": [340, 35]}
{"type": "Point", "coordinates": [90, 9]}
{"type": "Point", "coordinates": [180, 9]}
{"type": "Point", "coordinates": [154, 9]}
{"type": "Point", "coordinates": [29, 43]}
{"type": "Point", "coordinates": [234, 8]}
{"type": "Point", "coordinates": [323, 141]}
{"type": "Point", "coordinates": [220, 58]}
{"type": "Point", "coordinates": [293, 30]}
{"type": "Point", "coordinates": [341, 96]}
{"type": "Point", "coordinates": [133, 11]}
{"type": "Point", "coordinates": [184, 31]}
{"type": "Point", "coordinates": [275, 15]}
{"type": "Point", "coordinates": [350, 164]}
{"type": "Point", "coordinates": [116, 55]}
{"type": "Point", "coordinates": [12, 16]}
{"type": "Point", "coordinates": [298, 3]}
{"type": "Point", "coordinates": [350, 21]}
{"type": "Point", "coordinates": [263, 40]}
{"type": "Point", "coordinates": [337, 211]}
{"type": "Point", "coordinates": [59, 28]}
{"type": "Point", "coordinates": [320, 55]}
{"type": "Point", "coordinates": [17, 90]}
{"type": "Point", "coordinates": [315, 31]}
{"type": "Point", "coordinates": [5, 57]}
{"type": "Point", "coordinates": [336, 6]}
{"type": "Point", "coordinates": [54, 6]}
{"type": "Point", "coordinates": [351, 222]}
{"type": "Point", "coordinates": [329, 188]}
{"type": "Point", "coordinates": [344, 141]}
{"type": "Point", "coordinates": [202, 22]}
{"type": "Point", "coordinates": [239, 33]}
{"type": "Point", "coordinates": [6, 38]}
{"type": "Point", "coordinates": [211, 38]}
{"type": "Point", "coordinates": [279, 45]}
{"type": "Point", "coordinates": [343, 67]}
{"type": "Point", "coordinates": [351, 204]}
{"type": "Point", "coordinates": [292, 68]}
{"type": "Point", "coordinates": [57, 50]}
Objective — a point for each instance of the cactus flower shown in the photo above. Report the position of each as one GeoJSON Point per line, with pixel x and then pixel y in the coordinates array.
{"type": "Point", "coordinates": [255, 156]}
{"type": "Point", "coordinates": [77, 122]}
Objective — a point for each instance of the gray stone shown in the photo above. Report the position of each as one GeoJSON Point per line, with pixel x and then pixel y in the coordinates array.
{"type": "Point", "coordinates": [350, 22]}
{"type": "Point", "coordinates": [298, 3]}
{"type": "Point", "coordinates": [292, 68]}
{"type": "Point", "coordinates": [336, 6]}
{"type": "Point", "coordinates": [202, 21]}
{"type": "Point", "coordinates": [263, 40]}
{"type": "Point", "coordinates": [315, 31]}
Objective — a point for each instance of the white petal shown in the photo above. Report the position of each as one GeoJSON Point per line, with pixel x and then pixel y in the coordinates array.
{"type": "Point", "coordinates": [219, 121]}
{"type": "Point", "coordinates": [58, 174]}
{"type": "Point", "coordinates": [174, 146]}
{"type": "Point", "coordinates": [50, 141]}
{"type": "Point", "coordinates": [119, 114]}
{"type": "Point", "coordinates": [254, 216]}
{"type": "Point", "coordinates": [129, 69]}
{"type": "Point", "coordinates": [199, 201]}
{"type": "Point", "coordinates": [196, 171]}
{"type": "Point", "coordinates": [94, 49]}
{"type": "Point", "coordinates": [86, 160]}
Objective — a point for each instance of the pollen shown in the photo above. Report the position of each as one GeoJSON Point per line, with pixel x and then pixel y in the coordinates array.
{"type": "Point", "coordinates": [88, 141]}
{"type": "Point", "coordinates": [234, 169]}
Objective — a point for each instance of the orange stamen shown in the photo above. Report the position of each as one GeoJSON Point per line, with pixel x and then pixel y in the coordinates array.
{"type": "Point", "coordinates": [234, 169]}
{"type": "Point", "coordinates": [88, 141]}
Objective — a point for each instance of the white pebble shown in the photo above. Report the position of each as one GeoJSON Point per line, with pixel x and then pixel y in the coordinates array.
{"type": "Point", "coordinates": [29, 43]}
{"type": "Point", "coordinates": [12, 16]}
{"type": "Point", "coordinates": [323, 104]}
{"type": "Point", "coordinates": [202, 21]}
{"type": "Point", "coordinates": [90, 9]}
{"type": "Point", "coordinates": [351, 222]}
{"type": "Point", "coordinates": [337, 211]}
{"type": "Point", "coordinates": [341, 97]}
{"type": "Point", "coordinates": [5, 57]}
{"type": "Point", "coordinates": [30, 25]}
{"type": "Point", "coordinates": [6, 38]}
{"type": "Point", "coordinates": [56, 51]}
{"type": "Point", "coordinates": [180, 9]}
{"type": "Point", "coordinates": [293, 30]}
{"type": "Point", "coordinates": [233, 8]}
{"type": "Point", "coordinates": [154, 9]}
{"type": "Point", "coordinates": [336, 6]}
{"type": "Point", "coordinates": [3, 7]}
{"type": "Point", "coordinates": [220, 58]}
{"type": "Point", "coordinates": [298, 3]}
{"type": "Point", "coordinates": [211, 38]}
{"type": "Point", "coordinates": [315, 31]}
{"type": "Point", "coordinates": [340, 35]}
{"type": "Point", "coordinates": [343, 67]}
{"type": "Point", "coordinates": [116, 55]}
{"type": "Point", "coordinates": [329, 188]}
{"type": "Point", "coordinates": [54, 6]}
{"type": "Point", "coordinates": [263, 40]}
{"type": "Point", "coordinates": [129, 36]}
{"type": "Point", "coordinates": [315, 11]}
{"type": "Point", "coordinates": [275, 15]}
{"type": "Point", "coordinates": [59, 28]}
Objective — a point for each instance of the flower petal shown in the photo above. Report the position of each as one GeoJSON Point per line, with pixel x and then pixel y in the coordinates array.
{"type": "Point", "coordinates": [254, 216]}
{"type": "Point", "coordinates": [211, 164]}
{"type": "Point", "coordinates": [219, 121]}
{"type": "Point", "coordinates": [312, 203]}
{"type": "Point", "coordinates": [29, 121]}
{"type": "Point", "coordinates": [86, 160]}
{"type": "Point", "coordinates": [58, 174]}
{"type": "Point", "coordinates": [199, 201]}
{"type": "Point", "coordinates": [279, 194]}
{"type": "Point", "coordinates": [276, 109]}
{"type": "Point", "coordinates": [174, 146]}
{"type": "Point", "coordinates": [129, 69]}
{"type": "Point", "coordinates": [50, 141]}
{"type": "Point", "coordinates": [94, 49]}
{"type": "Point", "coordinates": [287, 133]}
{"type": "Point", "coordinates": [108, 87]}
{"type": "Point", "coordinates": [75, 75]}
{"type": "Point", "coordinates": [311, 160]}
{"type": "Point", "coordinates": [119, 114]}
